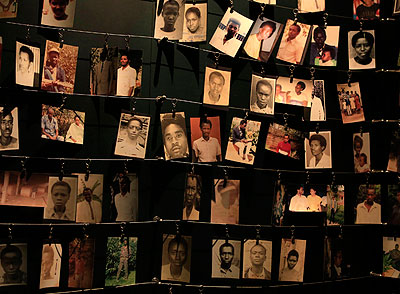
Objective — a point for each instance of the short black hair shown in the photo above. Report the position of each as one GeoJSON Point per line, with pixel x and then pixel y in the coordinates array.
{"type": "Point", "coordinates": [226, 244]}
{"type": "Point", "coordinates": [294, 253]}
{"type": "Point", "coordinates": [194, 10]}
{"type": "Point", "coordinates": [178, 240]}
{"type": "Point", "coordinates": [11, 249]}
{"type": "Point", "coordinates": [28, 51]}
{"type": "Point", "coordinates": [205, 121]}
{"type": "Point", "coordinates": [331, 51]}
{"type": "Point", "coordinates": [357, 139]}
{"type": "Point", "coordinates": [217, 74]}
{"type": "Point", "coordinates": [317, 137]}
{"type": "Point", "coordinates": [269, 23]}
{"type": "Point", "coordinates": [135, 119]}
{"type": "Point", "coordinates": [319, 30]}
{"type": "Point", "coordinates": [302, 85]}
{"type": "Point", "coordinates": [169, 120]}
{"type": "Point", "coordinates": [243, 121]}
{"type": "Point", "coordinates": [64, 1]}
{"type": "Point", "coordinates": [297, 26]}
{"type": "Point", "coordinates": [263, 82]}
{"type": "Point", "coordinates": [365, 157]}
{"type": "Point", "coordinates": [61, 184]}
{"type": "Point", "coordinates": [4, 114]}
{"type": "Point", "coordinates": [362, 34]}
{"type": "Point", "coordinates": [172, 3]}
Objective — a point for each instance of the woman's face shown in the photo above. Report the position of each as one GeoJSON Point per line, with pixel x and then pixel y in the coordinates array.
{"type": "Point", "coordinates": [363, 48]}
{"type": "Point", "coordinates": [316, 147]}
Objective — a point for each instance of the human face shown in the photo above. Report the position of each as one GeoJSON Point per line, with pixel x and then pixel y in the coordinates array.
{"type": "Point", "coordinates": [320, 39]}
{"type": "Point", "coordinates": [192, 22]}
{"type": "Point", "coordinates": [316, 147]}
{"type": "Point", "coordinates": [263, 95]}
{"type": "Point", "coordinates": [47, 263]}
{"type": "Point", "coordinates": [278, 90]}
{"type": "Point", "coordinates": [6, 126]}
{"type": "Point", "coordinates": [326, 56]}
{"type": "Point", "coordinates": [177, 254]}
{"type": "Point", "coordinates": [77, 121]}
{"type": "Point", "coordinates": [216, 86]}
{"type": "Point", "coordinates": [170, 15]}
{"type": "Point", "coordinates": [175, 141]}
{"type": "Point", "coordinates": [298, 89]}
{"type": "Point", "coordinates": [362, 48]}
{"type": "Point", "coordinates": [226, 255]}
{"type": "Point", "coordinates": [265, 32]}
{"type": "Point", "coordinates": [50, 113]}
{"type": "Point", "coordinates": [58, 7]}
{"type": "Point", "coordinates": [124, 60]}
{"type": "Point", "coordinates": [293, 32]}
{"type": "Point", "coordinates": [205, 130]}
{"type": "Point", "coordinates": [257, 255]}
{"type": "Point", "coordinates": [23, 64]}
{"type": "Point", "coordinates": [191, 190]}
{"type": "Point", "coordinates": [370, 196]}
{"type": "Point", "coordinates": [11, 263]}
{"type": "Point", "coordinates": [123, 185]}
{"type": "Point", "coordinates": [60, 196]}
{"type": "Point", "coordinates": [312, 191]}
{"type": "Point", "coordinates": [286, 139]}
{"type": "Point", "coordinates": [362, 160]}
{"type": "Point", "coordinates": [300, 191]}
{"type": "Point", "coordinates": [133, 129]}
{"type": "Point", "coordinates": [338, 258]}
{"type": "Point", "coordinates": [292, 261]}
{"type": "Point", "coordinates": [88, 195]}
{"type": "Point", "coordinates": [232, 29]}
{"type": "Point", "coordinates": [54, 57]}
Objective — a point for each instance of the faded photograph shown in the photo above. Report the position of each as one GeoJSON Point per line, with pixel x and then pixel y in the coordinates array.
{"type": "Point", "coordinates": [317, 111]}
{"type": "Point", "coordinates": [393, 207]}
{"type": "Point", "coordinates": [318, 150]}
{"type": "Point", "coordinates": [311, 5]}
{"type": "Point", "coordinates": [124, 198]}
{"type": "Point", "coordinates": [257, 259]}
{"type": "Point", "coordinates": [299, 92]}
{"type": "Point", "coordinates": [169, 19]}
{"type": "Point", "coordinates": [129, 73]}
{"type": "Point", "coordinates": [176, 255]}
{"type": "Point", "coordinates": [9, 135]}
{"type": "Point", "coordinates": [324, 46]}
{"type": "Point", "coordinates": [226, 259]}
{"type": "Point", "coordinates": [361, 46]}
{"type": "Point", "coordinates": [217, 85]}
{"type": "Point", "coordinates": [103, 71]}
{"type": "Point", "coordinates": [351, 105]}
{"type": "Point", "coordinates": [279, 204]}
{"type": "Point", "coordinates": [366, 9]}
{"type": "Point", "coordinates": [335, 263]}
{"type": "Point", "coordinates": [51, 266]}
{"type": "Point", "coordinates": [27, 65]}
{"type": "Point", "coordinates": [291, 267]}
{"type": "Point", "coordinates": [391, 257]}
{"type": "Point", "coordinates": [174, 135]}
{"type": "Point", "coordinates": [90, 198]}
{"type": "Point", "coordinates": [81, 262]}
{"type": "Point", "coordinates": [13, 260]}
{"type": "Point", "coordinates": [394, 153]}
{"type": "Point", "coordinates": [262, 95]}
{"type": "Point", "coordinates": [192, 197]}
{"type": "Point", "coordinates": [58, 13]}
{"type": "Point", "coordinates": [195, 23]}
{"type": "Point", "coordinates": [8, 8]}
{"type": "Point", "coordinates": [368, 207]}
{"type": "Point", "coordinates": [362, 158]}
{"type": "Point", "coordinates": [225, 202]}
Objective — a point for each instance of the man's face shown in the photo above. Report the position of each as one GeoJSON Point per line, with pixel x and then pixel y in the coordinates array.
{"type": "Point", "coordinates": [257, 255]}
{"type": "Point", "coordinates": [124, 60]}
{"type": "Point", "coordinates": [338, 258]}
{"type": "Point", "coordinates": [175, 141]}
{"type": "Point", "coordinates": [216, 86]}
{"type": "Point", "coordinates": [232, 29]}
{"type": "Point", "coordinates": [23, 62]}
{"type": "Point", "coordinates": [362, 48]}
{"type": "Point", "coordinates": [226, 255]}
{"type": "Point", "coordinates": [133, 129]}
{"type": "Point", "coordinates": [177, 254]}
{"type": "Point", "coordinates": [286, 139]}
{"type": "Point", "coordinates": [263, 95]}
{"type": "Point", "coordinates": [54, 57]}
{"type": "Point", "coordinates": [293, 32]}
{"type": "Point", "coordinates": [77, 121]}
{"type": "Point", "coordinates": [292, 261]}
{"type": "Point", "coordinates": [265, 32]}
{"type": "Point", "coordinates": [170, 14]}
{"type": "Point", "coordinates": [47, 263]}
{"type": "Point", "coordinates": [87, 193]}
{"type": "Point", "coordinates": [298, 89]}
{"type": "Point", "coordinates": [243, 126]}
{"type": "Point", "coordinates": [50, 113]}
{"type": "Point", "coordinates": [300, 191]}
{"type": "Point", "coordinates": [60, 196]}
{"type": "Point", "coordinates": [370, 196]}
{"type": "Point", "coordinates": [191, 190]}
{"type": "Point", "coordinates": [6, 126]}
{"type": "Point", "coordinates": [123, 185]}
{"type": "Point", "coordinates": [316, 147]}
{"type": "Point", "coordinates": [192, 22]}
{"type": "Point", "coordinates": [205, 130]}
{"type": "Point", "coordinates": [320, 39]}
{"type": "Point", "coordinates": [11, 263]}
{"type": "Point", "coordinates": [58, 7]}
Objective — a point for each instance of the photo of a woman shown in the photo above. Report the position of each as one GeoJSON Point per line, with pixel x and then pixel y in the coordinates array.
{"type": "Point", "coordinates": [361, 53]}
{"type": "Point", "coordinates": [318, 151]}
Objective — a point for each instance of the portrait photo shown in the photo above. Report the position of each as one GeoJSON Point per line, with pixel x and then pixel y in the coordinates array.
{"type": "Point", "coordinates": [361, 46]}
{"type": "Point", "coordinates": [81, 262]}
{"type": "Point", "coordinates": [9, 135]}
{"type": "Point", "coordinates": [124, 197]}
{"type": "Point", "coordinates": [324, 45]}
{"type": "Point", "coordinates": [335, 265]}
{"type": "Point", "coordinates": [262, 95]}
{"type": "Point", "coordinates": [366, 9]}
{"type": "Point", "coordinates": [195, 23]}
{"type": "Point", "coordinates": [257, 259]}
{"type": "Point", "coordinates": [226, 259]}
{"type": "Point", "coordinates": [310, 6]}
{"type": "Point", "coordinates": [333, 204]}
{"type": "Point", "coordinates": [394, 153]}
{"type": "Point", "coordinates": [28, 191]}
{"type": "Point", "coordinates": [298, 93]}
{"type": "Point", "coordinates": [396, 8]}
{"type": "Point", "coordinates": [362, 155]}
{"type": "Point", "coordinates": [192, 197]}
{"type": "Point", "coordinates": [27, 65]}
{"type": "Point", "coordinates": [104, 63]}
{"type": "Point", "coordinates": [121, 261]}
{"type": "Point", "coordinates": [285, 141]}
{"type": "Point", "coordinates": [294, 42]}
{"type": "Point", "coordinates": [231, 32]}
{"type": "Point", "coordinates": [225, 202]}
{"type": "Point", "coordinates": [205, 139]}
{"type": "Point", "coordinates": [318, 150]}
{"type": "Point", "coordinates": [132, 136]}
{"type": "Point", "coordinates": [61, 199]}
{"type": "Point", "coordinates": [8, 8]}
{"type": "Point", "coordinates": [176, 258]}
{"type": "Point", "coordinates": [217, 83]}
{"type": "Point", "coordinates": [13, 269]}
{"type": "Point", "coordinates": [129, 72]}
{"type": "Point", "coordinates": [58, 13]}
{"type": "Point", "coordinates": [243, 140]}
{"type": "Point", "coordinates": [350, 103]}
{"type": "Point", "coordinates": [90, 198]}
{"type": "Point", "coordinates": [317, 111]}
{"type": "Point", "coordinates": [368, 204]}
{"type": "Point", "coordinates": [297, 198]}
{"type": "Point", "coordinates": [169, 19]}
{"type": "Point", "coordinates": [59, 67]}
{"type": "Point", "coordinates": [51, 266]}
{"type": "Point", "coordinates": [393, 207]}
{"type": "Point", "coordinates": [174, 135]}
{"type": "Point", "coordinates": [291, 266]}
{"type": "Point", "coordinates": [391, 257]}
{"type": "Point", "coordinates": [262, 38]}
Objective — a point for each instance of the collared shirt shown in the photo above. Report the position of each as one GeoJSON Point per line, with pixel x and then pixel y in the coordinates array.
{"type": "Point", "coordinates": [317, 110]}
{"type": "Point", "coordinates": [314, 202]}
{"type": "Point", "coordinates": [265, 275]}
{"type": "Point", "coordinates": [63, 216]}
{"type": "Point", "coordinates": [126, 206]}
{"type": "Point", "coordinates": [290, 275]}
{"type": "Point", "coordinates": [266, 110]}
{"type": "Point", "coordinates": [13, 144]}
{"type": "Point", "coordinates": [373, 216]}
{"type": "Point", "coordinates": [50, 127]}
{"type": "Point", "coordinates": [232, 272]}
{"type": "Point", "coordinates": [252, 46]}
{"type": "Point", "coordinates": [126, 78]}
{"type": "Point", "coordinates": [207, 150]}
{"type": "Point", "coordinates": [298, 99]}
{"type": "Point", "coordinates": [298, 203]}
{"type": "Point", "coordinates": [128, 149]}
{"type": "Point", "coordinates": [166, 274]}
{"type": "Point", "coordinates": [22, 279]}
{"type": "Point", "coordinates": [194, 214]}
{"type": "Point", "coordinates": [325, 162]}
{"type": "Point", "coordinates": [87, 215]}
{"type": "Point", "coordinates": [290, 51]}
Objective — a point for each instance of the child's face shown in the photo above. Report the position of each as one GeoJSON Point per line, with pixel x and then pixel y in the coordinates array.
{"type": "Point", "coordinates": [326, 56]}
{"type": "Point", "coordinates": [362, 161]}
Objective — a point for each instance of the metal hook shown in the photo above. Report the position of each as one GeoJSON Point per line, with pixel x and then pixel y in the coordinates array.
{"type": "Point", "coordinates": [349, 74]}
{"type": "Point", "coordinates": [50, 233]}
{"type": "Point", "coordinates": [317, 128]}
{"type": "Point", "coordinates": [295, 13]}
{"type": "Point", "coordinates": [333, 178]}
{"type": "Point", "coordinates": [87, 169]}
{"type": "Point", "coordinates": [133, 105]}
{"type": "Point", "coordinates": [231, 1]}
{"type": "Point", "coordinates": [177, 228]}
{"type": "Point", "coordinates": [63, 102]}
{"type": "Point", "coordinates": [341, 232]}
{"type": "Point", "coordinates": [291, 68]}
{"type": "Point", "coordinates": [312, 71]}
{"type": "Point", "coordinates": [85, 231]}
{"type": "Point", "coordinates": [61, 37]}
{"type": "Point", "coordinates": [361, 130]}
{"type": "Point", "coordinates": [285, 118]}
{"type": "Point", "coordinates": [217, 55]}
{"type": "Point", "coordinates": [246, 113]}
{"type": "Point", "coordinates": [258, 236]}
{"type": "Point", "coordinates": [307, 177]}
{"type": "Point", "coordinates": [170, 290]}
{"type": "Point", "coordinates": [174, 102]}
{"type": "Point", "coordinates": [292, 228]}
{"type": "Point", "coordinates": [262, 5]}
{"type": "Point", "coordinates": [61, 176]}
{"type": "Point", "coordinates": [10, 236]}
{"type": "Point", "coordinates": [201, 289]}
{"type": "Point", "coordinates": [325, 17]}
{"type": "Point", "coordinates": [28, 34]}
{"type": "Point", "coordinates": [106, 36]}
{"type": "Point", "coordinates": [361, 25]}
{"type": "Point", "coordinates": [122, 227]}
{"type": "Point", "coordinates": [225, 177]}
{"type": "Point", "coordinates": [23, 168]}
{"type": "Point", "coordinates": [127, 38]}
{"type": "Point", "coordinates": [279, 175]}
{"type": "Point", "coordinates": [226, 233]}
{"type": "Point", "coordinates": [126, 166]}
{"type": "Point", "coordinates": [193, 168]}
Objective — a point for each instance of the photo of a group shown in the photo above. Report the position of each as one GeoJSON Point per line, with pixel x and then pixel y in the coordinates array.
{"type": "Point", "coordinates": [176, 258]}
{"type": "Point", "coordinates": [257, 259]}
{"type": "Point", "coordinates": [225, 202]}
{"type": "Point", "coordinates": [175, 140]}
{"type": "Point", "coordinates": [291, 266]}
{"type": "Point", "coordinates": [9, 135]}
{"type": "Point", "coordinates": [362, 158]}
{"type": "Point", "coordinates": [298, 92]}
{"type": "Point", "coordinates": [192, 197]}
{"type": "Point", "coordinates": [27, 65]}
{"type": "Point", "coordinates": [318, 150]}
{"type": "Point", "coordinates": [368, 205]}
{"type": "Point", "coordinates": [391, 257]}
{"type": "Point", "coordinates": [13, 269]}
{"type": "Point", "coordinates": [324, 45]}
{"type": "Point", "coordinates": [286, 141]}
{"type": "Point", "coordinates": [351, 106]}
{"type": "Point", "coordinates": [89, 199]}
{"type": "Point", "coordinates": [51, 265]}
{"type": "Point", "coordinates": [81, 262]}
{"type": "Point", "coordinates": [226, 259]}
{"type": "Point", "coordinates": [217, 83]}
{"type": "Point", "coordinates": [58, 13]}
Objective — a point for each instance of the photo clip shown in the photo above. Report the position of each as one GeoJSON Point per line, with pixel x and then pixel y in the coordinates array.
{"type": "Point", "coordinates": [226, 234]}
{"type": "Point", "coordinates": [63, 102]}
{"type": "Point", "coordinates": [285, 118]}
{"type": "Point", "coordinates": [312, 72]}
{"type": "Point", "coordinates": [28, 34]}
{"type": "Point", "coordinates": [10, 235]}
{"type": "Point", "coordinates": [174, 102]}
{"type": "Point", "coordinates": [231, 6]}
{"type": "Point", "coordinates": [333, 179]}
{"type": "Point", "coordinates": [133, 105]}
{"type": "Point", "coordinates": [295, 13]}
{"type": "Point", "coordinates": [325, 18]}
{"type": "Point", "coordinates": [307, 177]}
{"type": "Point", "coordinates": [127, 38]}
{"type": "Point", "coordinates": [262, 5]}
{"type": "Point", "coordinates": [349, 74]}
{"type": "Point", "coordinates": [246, 113]}
{"type": "Point", "coordinates": [61, 37]}
{"type": "Point", "coordinates": [126, 167]}
{"type": "Point", "coordinates": [122, 227]}
{"type": "Point", "coordinates": [341, 232]}
{"type": "Point", "coordinates": [291, 68]}
{"type": "Point", "coordinates": [361, 25]}
{"type": "Point", "coordinates": [106, 36]}
{"type": "Point", "coordinates": [178, 231]}
{"type": "Point", "coordinates": [258, 236]}
{"type": "Point", "coordinates": [225, 177]}
{"type": "Point", "coordinates": [361, 130]}
{"type": "Point", "coordinates": [23, 173]}
{"type": "Point", "coordinates": [61, 175]}
{"type": "Point", "coordinates": [217, 55]}
{"type": "Point", "coordinates": [87, 163]}
{"type": "Point", "coordinates": [292, 234]}
{"type": "Point", "coordinates": [51, 228]}
{"type": "Point", "coordinates": [317, 128]}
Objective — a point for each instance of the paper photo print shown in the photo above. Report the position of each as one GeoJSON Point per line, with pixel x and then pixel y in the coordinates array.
{"type": "Point", "coordinates": [361, 46]}
{"type": "Point", "coordinates": [27, 65]}
{"type": "Point", "coordinates": [225, 202]}
{"type": "Point", "coordinates": [291, 267]}
{"type": "Point", "coordinates": [104, 63]}
{"type": "Point", "coordinates": [226, 259]}
{"type": "Point", "coordinates": [231, 32]}
{"type": "Point", "coordinates": [362, 157]}
{"type": "Point", "coordinates": [263, 38]}
{"type": "Point", "coordinates": [351, 106]}
{"type": "Point", "coordinates": [26, 191]}
{"type": "Point", "coordinates": [195, 23]}
{"type": "Point", "coordinates": [317, 111]}
{"type": "Point", "coordinates": [285, 141]}
{"type": "Point", "coordinates": [9, 135]}
{"type": "Point", "coordinates": [176, 258]}
{"type": "Point", "coordinates": [129, 73]}
{"type": "Point", "coordinates": [132, 137]}
{"type": "Point", "coordinates": [61, 200]}
{"type": "Point", "coordinates": [169, 19]}
{"type": "Point", "coordinates": [310, 6]}
{"type": "Point", "coordinates": [174, 135]}
{"type": "Point", "coordinates": [51, 265]}
{"type": "Point", "coordinates": [393, 207]}
{"type": "Point", "coordinates": [366, 9]}
{"type": "Point", "coordinates": [1, 48]}
{"type": "Point", "coordinates": [294, 42]}
{"type": "Point", "coordinates": [396, 8]}
{"type": "Point", "coordinates": [299, 92]}
{"type": "Point", "coordinates": [368, 207]}
{"type": "Point", "coordinates": [262, 95]}
{"type": "Point", "coordinates": [121, 261]}
{"type": "Point", "coordinates": [8, 8]}
{"type": "Point", "coordinates": [270, 2]}
{"type": "Point", "coordinates": [318, 150]}
{"type": "Point", "coordinates": [298, 202]}
{"type": "Point", "coordinates": [324, 45]}
{"type": "Point", "coordinates": [391, 257]}
{"type": "Point", "coordinates": [59, 68]}
{"type": "Point", "coordinates": [257, 259]}
{"type": "Point", "coordinates": [192, 197]}
{"type": "Point", "coordinates": [279, 204]}
{"type": "Point", "coordinates": [206, 139]}
{"type": "Point", "coordinates": [394, 153]}
{"type": "Point", "coordinates": [242, 145]}
{"type": "Point", "coordinates": [335, 266]}
{"type": "Point", "coordinates": [124, 198]}
{"type": "Point", "coordinates": [90, 198]}
{"type": "Point", "coordinates": [81, 262]}
{"type": "Point", "coordinates": [13, 269]}
{"type": "Point", "coordinates": [58, 13]}
{"type": "Point", "coordinates": [333, 204]}
{"type": "Point", "coordinates": [217, 83]}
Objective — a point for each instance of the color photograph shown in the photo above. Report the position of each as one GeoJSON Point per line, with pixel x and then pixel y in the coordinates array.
{"type": "Point", "coordinates": [391, 257]}
{"type": "Point", "coordinates": [350, 103]}
{"type": "Point", "coordinates": [81, 262]}
{"type": "Point", "coordinates": [362, 155]}
{"type": "Point", "coordinates": [368, 204]}
{"type": "Point", "coordinates": [286, 141]}
{"type": "Point", "coordinates": [299, 92]}
{"type": "Point", "coordinates": [51, 266]}
{"type": "Point", "coordinates": [58, 13]}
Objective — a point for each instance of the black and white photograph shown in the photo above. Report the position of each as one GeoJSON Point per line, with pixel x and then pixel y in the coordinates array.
{"type": "Point", "coordinates": [124, 198]}
{"type": "Point", "coordinates": [51, 265]}
{"type": "Point", "coordinates": [262, 39]}
{"type": "Point", "coordinates": [225, 202]}
{"type": "Point", "coordinates": [394, 153]}
{"type": "Point", "coordinates": [335, 265]}
{"type": "Point", "coordinates": [262, 95]}
{"type": "Point", "coordinates": [27, 65]}
{"type": "Point", "coordinates": [298, 93]}
{"type": "Point", "coordinates": [257, 259]}
{"type": "Point", "coordinates": [217, 83]}
{"type": "Point", "coordinates": [279, 203]}
{"type": "Point", "coordinates": [13, 269]}
{"type": "Point", "coordinates": [318, 150]}
{"type": "Point", "coordinates": [9, 135]}
{"type": "Point", "coordinates": [169, 19]}
{"type": "Point", "coordinates": [90, 198]}
{"type": "Point", "coordinates": [174, 135]}
{"type": "Point", "coordinates": [310, 5]}
{"type": "Point", "coordinates": [393, 207]}
{"type": "Point", "coordinates": [61, 200]}
{"type": "Point", "coordinates": [132, 137]}
{"type": "Point", "coordinates": [129, 73]}
{"type": "Point", "coordinates": [366, 9]}
{"type": "Point", "coordinates": [391, 257]}
{"type": "Point", "coordinates": [324, 46]}
{"type": "Point", "coordinates": [192, 197]}
{"type": "Point", "coordinates": [291, 266]}
{"type": "Point", "coordinates": [368, 204]}
{"type": "Point", "coordinates": [195, 23]}
{"type": "Point", "coordinates": [176, 258]}
{"type": "Point", "coordinates": [58, 13]}
{"type": "Point", "coordinates": [362, 155]}
{"type": "Point", "coordinates": [8, 8]}
{"type": "Point", "coordinates": [396, 7]}
{"type": "Point", "coordinates": [104, 63]}
{"type": "Point", "coordinates": [361, 46]}
{"type": "Point", "coordinates": [231, 32]}
{"type": "Point", "coordinates": [317, 111]}
{"type": "Point", "coordinates": [81, 263]}
{"type": "Point", "coordinates": [350, 103]}
{"type": "Point", "coordinates": [226, 259]}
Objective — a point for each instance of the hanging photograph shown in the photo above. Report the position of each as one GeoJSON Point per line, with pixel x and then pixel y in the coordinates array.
{"type": "Point", "coordinates": [362, 157]}
{"type": "Point", "coordinates": [335, 266]}
{"type": "Point", "coordinates": [9, 135]}
{"type": "Point", "coordinates": [225, 202]}
{"type": "Point", "coordinates": [132, 137]}
{"type": "Point", "coordinates": [51, 266]}
{"type": "Point", "coordinates": [257, 259]}
{"type": "Point", "coordinates": [291, 267]}
{"type": "Point", "coordinates": [195, 23]}
{"type": "Point", "coordinates": [27, 65]}
{"type": "Point", "coordinates": [121, 261]}
{"type": "Point", "coordinates": [294, 42]}
{"type": "Point", "coordinates": [318, 150]}
{"type": "Point", "coordinates": [124, 198]}
{"type": "Point", "coordinates": [298, 201]}
{"type": "Point", "coordinates": [59, 68]}
{"type": "Point", "coordinates": [368, 207]}
{"type": "Point", "coordinates": [104, 63]}
{"type": "Point", "coordinates": [90, 198]}
{"type": "Point", "coordinates": [317, 110]}
{"type": "Point", "coordinates": [1, 49]}
{"type": "Point", "coordinates": [81, 262]}
{"type": "Point", "coordinates": [396, 8]}
{"type": "Point", "coordinates": [169, 19]}
{"type": "Point", "coordinates": [226, 259]}
{"type": "Point", "coordinates": [333, 204]}
{"type": "Point", "coordinates": [310, 5]}
{"type": "Point", "coordinates": [279, 204]}
{"type": "Point", "coordinates": [361, 46]}
{"type": "Point", "coordinates": [324, 45]}
{"type": "Point", "coordinates": [8, 8]}
{"type": "Point", "coordinates": [366, 9]}
{"type": "Point", "coordinates": [129, 73]}
{"type": "Point", "coordinates": [231, 32]}
{"type": "Point", "coordinates": [394, 153]}
{"type": "Point", "coordinates": [205, 139]}
{"type": "Point", "coordinates": [176, 255]}
{"type": "Point", "coordinates": [298, 92]}
{"type": "Point", "coordinates": [217, 83]}
{"type": "Point", "coordinates": [263, 38]}
{"type": "Point", "coordinates": [393, 207]}
{"type": "Point", "coordinates": [175, 141]}
{"type": "Point", "coordinates": [262, 95]}
{"type": "Point", "coordinates": [391, 257]}
{"type": "Point", "coordinates": [58, 13]}
{"type": "Point", "coordinates": [13, 269]}
{"type": "Point", "coordinates": [270, 2]}
{"type": "Point", "coordinates": [192, 197]}
{"type": "Point", "coordinates": [351, 106]}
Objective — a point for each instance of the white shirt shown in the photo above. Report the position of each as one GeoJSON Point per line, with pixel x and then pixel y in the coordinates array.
{"type": "Point", "coordinates": [83, 213]}
{"type": "Point", "coordinates": [126, 78]}
{"type": "Point", "coordinates": [126, 207]}
{"type": "Point", "coordinates": [290, 51]}
{"type": "Point", "coordinates": [298, 203]}
{"type": "Point", "coordinates": [325, 162]}
{"type": "Point", "coordinates": [317, 110]}
{"type": "Point", "coordinates": [373, 216]}
{"type": "Point", "coordinates": [76, 132]}
{"type": "Point", "coordinates": [266, 110]}
{"type": "Point", "coordinates": [252, 46]}
{"type": "Point", "coordinates": [166, 274]}
{"type": "Point", "coordinates": [207, 150]}
{"type": "Point", "coordinates": [194, 214]}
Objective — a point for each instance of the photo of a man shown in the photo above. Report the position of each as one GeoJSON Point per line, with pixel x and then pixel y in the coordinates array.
{"type": "Point", "coordinates": [81, 262]}
{"type": "Point", "coordinates": [195, 23]}
{"type": "Point", "coordinates": [58, 13]}
{"type": "Point", "coordinates": [394, 153]}
{"type": "Point", "coordinates": [8, 9]}
{"type": "Point", "coordinates": [9, 138]}
{"type": "Point", "coordinates": [257, 258]}
{"type": "Point", "coordinates": [169, 19]}
{"type": "Point", "coordinates": [206, 139]}
{"type": "Point", "coordinates": [124, 193]}
{"type": "Point", "coordinates": [368, 210]}
{"type": "Point", "coordinates": [299, 202]}
{"type": "Point", "coordinates": [27, 65]}
{"type": "Point", "coordinates": [103, 70]}
{"type": "Point", "coordinates": [192, 197]}
{"type": "Point", "coordinates": [291, 267]}
{"type": "Point", "coordinates": [225, 203]}
{"type": "Point", "coordinates": [51, 266]}
{"type": "Point", "coordinates": [262, 95]}
{"type": "Point", "coordinates": [89, 199]}
{"type": "Point", "coordinates": [226, 259]}
{"type": "Point", "coordinates": [391, 257]}
{"type": "Point", "coordinates": [217, 84]}
{"type": "Point", "coordinates": [176, 258]}
{"type": "Point", "coordinates": [174, 135]}
{"type": "Point", "coordinates": [13, 260]}
{"type": "Point", "coordinates": [396, 8]}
